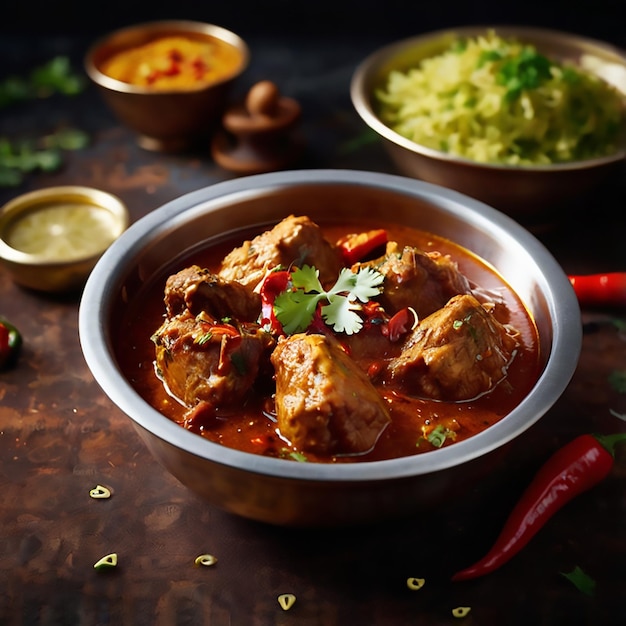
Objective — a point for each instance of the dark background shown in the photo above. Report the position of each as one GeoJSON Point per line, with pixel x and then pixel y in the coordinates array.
{"type": "Point", "coordinates": [69, 435]}
{"type": "Point", "coordinates": [601, 19]}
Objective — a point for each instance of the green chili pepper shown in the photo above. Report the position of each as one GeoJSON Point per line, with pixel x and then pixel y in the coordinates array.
{"type": "Point", "coordinates": [10, 344]}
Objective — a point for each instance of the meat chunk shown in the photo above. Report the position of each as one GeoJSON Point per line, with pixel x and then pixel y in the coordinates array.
{"type": "Point", "coordinates": [197, 289]}
{"type": "Point", "coordinates": [457, 353]}
{"type": "Point", "coordinates": [324, 402]}
{"type": "Point", "coordinates": [202, 360]}
{"type": "Point", "coordinates": [424, 281]}
{"type": "Point", "coordinates": [294, 241]}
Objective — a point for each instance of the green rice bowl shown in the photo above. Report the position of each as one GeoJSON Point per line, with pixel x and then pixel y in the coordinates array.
{"type": "Point", "coordinates": [496, 100]}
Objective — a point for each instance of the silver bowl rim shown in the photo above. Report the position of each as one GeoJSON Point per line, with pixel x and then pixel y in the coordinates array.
{"type": "Point", "coordinates": [218, 32]}
{"type": "Point", "coordinates": [103, 284]}
{"type": "Point", "coordinates": [361, 100]}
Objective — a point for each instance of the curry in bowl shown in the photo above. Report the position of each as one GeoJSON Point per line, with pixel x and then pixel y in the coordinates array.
{"type": "Point", "coordinates": [330, 342]}
{"type": "Point", "coordinates": [175, 62]}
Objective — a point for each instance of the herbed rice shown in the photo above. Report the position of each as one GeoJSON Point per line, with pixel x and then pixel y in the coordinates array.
{"type": "Point", "coordinates": [494, 100]}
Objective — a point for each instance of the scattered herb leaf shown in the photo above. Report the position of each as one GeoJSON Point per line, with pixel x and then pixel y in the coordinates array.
{"type": "Point", "coordinates": [581, 581]}
{"type": "Point", "coordinates": [355, 144]}
{"type": "Point", "coordinates": [617, 380]}
{"type": "Point", "coordinates": [19, 158]}
{"type": "Point", "coordinates": [619, 324]}
{"type": "Point", "coordinates": [55, 76]}
{"type": "Point", "coordinates": [286, 453]}
{"type": "Point", "coordinates": [437, 437]}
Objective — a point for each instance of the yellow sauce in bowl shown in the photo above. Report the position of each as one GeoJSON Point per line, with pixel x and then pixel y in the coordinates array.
{"type": "Point", "coordinates": [51, 238]}
{"type": "Point", "coordinates": [174, 63]}
{"type": "Point", "coordinates": [64, 232]}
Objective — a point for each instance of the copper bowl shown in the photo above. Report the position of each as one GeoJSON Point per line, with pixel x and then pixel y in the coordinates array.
{"type": "Point", "coordinates": [284, 492]}
{"type": "Point", "coordinates": [535, 195]}
{"type": "Point", "coordinates": [165, 120]}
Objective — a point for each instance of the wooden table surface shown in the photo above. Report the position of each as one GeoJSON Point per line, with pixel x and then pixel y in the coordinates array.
{"type": "Point", "coordinates": [60, 436]}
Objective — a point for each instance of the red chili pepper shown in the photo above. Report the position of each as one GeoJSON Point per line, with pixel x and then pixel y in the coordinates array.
{"type": "Point", "coordinates": [220, 330]}
{"type": "Point", "coordinates": [402, 322]}
{"type": "Point", "coordinates": [10, 344]}
{"type": "Point", "coordinates": [356, 247]}
{"type": "Point", "coordinates": [575, 468]}
{"type": "Point", "coordinates": [597, 290]}
{"type": "Point", "coordinates": [273, 285]}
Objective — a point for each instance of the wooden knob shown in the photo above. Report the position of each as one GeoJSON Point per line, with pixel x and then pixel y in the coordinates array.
{"type": "Point", "coordinates": [262, 99]}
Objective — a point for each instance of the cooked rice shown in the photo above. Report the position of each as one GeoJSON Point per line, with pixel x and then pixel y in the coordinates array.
{"type": "Point", "coordinates": [463, 102]}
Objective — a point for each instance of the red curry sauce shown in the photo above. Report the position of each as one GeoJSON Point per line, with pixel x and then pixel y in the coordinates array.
{"type": "Point", "coordinates": [251, 427]}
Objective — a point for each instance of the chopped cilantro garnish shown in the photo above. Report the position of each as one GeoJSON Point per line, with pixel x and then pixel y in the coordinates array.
{"type": "Point", "coordinates": [459, 46]}
{"type": "Point", "coordinates": [204, 338]}
{"type": "Point", "coordinates": [295, 308]}
{"type": "Point", "coordinates": [525, 71]}
{"type": "Point", "coordinates": [437, 437]}
{"type": "Point", "coordinates": [294, 455]}
{"type": "Point", "coordinates": [489, 56]}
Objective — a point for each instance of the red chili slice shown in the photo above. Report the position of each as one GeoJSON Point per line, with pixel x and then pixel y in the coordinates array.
{"type": "Point", "coordinates": [355, 248]}
{"type": "Point", "coordinates": [400, 324]}
{"type": "Point", "coordinates": [273, 285]}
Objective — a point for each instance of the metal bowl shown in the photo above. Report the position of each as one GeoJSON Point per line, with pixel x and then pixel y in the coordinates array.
{"type": "Point", "coordinates": [534, 195]}
{"type": "Point", "coordinates": [172, 120]}
{"type": "Point", "coordinates": [61, 216]}
{"type": "Point", "coordinates": [284, 492]}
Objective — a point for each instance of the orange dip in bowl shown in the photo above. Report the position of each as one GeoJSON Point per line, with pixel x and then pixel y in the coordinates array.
{"type": "Point", "coordinates": [174, 63]}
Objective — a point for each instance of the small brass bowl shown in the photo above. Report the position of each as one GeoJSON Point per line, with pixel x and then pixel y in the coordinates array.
{"type": "Point", "coordinates": [50, 239]}
{"type": "Point", "coordinates": [172, 119]}
{"type": "Point", "coordinates": [535, 195]}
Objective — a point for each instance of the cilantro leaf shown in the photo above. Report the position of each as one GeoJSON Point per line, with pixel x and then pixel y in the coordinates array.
{"type": "Point", "coordinates": [295, 307]}
{"type": "Point", "coordinates": [295, 310]}
{"type": "Point", "coordinates": [363, 285]}
{"type": "Point", "coordinates": [307, 279]}
{"type": "Point", "coordinates": [340, 314]}
{"type": "Point", "coordinates": [583, 582]}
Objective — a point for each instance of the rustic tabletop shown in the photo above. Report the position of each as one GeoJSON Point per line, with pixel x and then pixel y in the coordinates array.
{"type": "Point", "coordinates": [60, 436]}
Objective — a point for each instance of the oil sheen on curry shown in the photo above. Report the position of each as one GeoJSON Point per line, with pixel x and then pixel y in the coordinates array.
{"type": "Point", "coordinates": [331, 343]}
